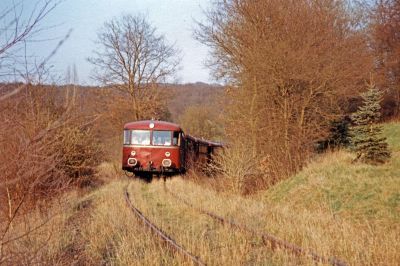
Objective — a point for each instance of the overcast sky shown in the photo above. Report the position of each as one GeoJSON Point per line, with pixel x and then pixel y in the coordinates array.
{"type": "Point", "coordinates": [173, 18]}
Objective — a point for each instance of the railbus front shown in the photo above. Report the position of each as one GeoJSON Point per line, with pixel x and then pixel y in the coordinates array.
{"type": "Point", "coordinates": [153, 147]}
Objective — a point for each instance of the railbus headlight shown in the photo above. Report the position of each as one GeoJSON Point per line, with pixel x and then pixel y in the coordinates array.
{"type": "Point", "coordinates": [133, 153]}
{"type": "Point", "coordinates": [132, 162]}
{"type": "Point", "coordinates": [167, 154]}
{"type": "Point", "coordinates": [166, 163]}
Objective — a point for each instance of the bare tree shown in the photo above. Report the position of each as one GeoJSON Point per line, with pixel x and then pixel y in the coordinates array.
{"type": "Point", "coordinates": [133, 58]}
{"type": "Point", "coordinates": [290, 64]}
{"type": "Point", "coordinates": [71, 81]}
{"type": "Point", "coordinates": [385, 33]}
{"type": "Point", "coordinates": [17, 28]}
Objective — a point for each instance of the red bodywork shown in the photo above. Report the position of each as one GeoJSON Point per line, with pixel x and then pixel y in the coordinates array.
{"type": "Point", "coordinates": [150, 157]}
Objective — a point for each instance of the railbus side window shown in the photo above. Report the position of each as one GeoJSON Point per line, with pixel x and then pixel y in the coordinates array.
{"type": "Point", "coordinates": [203, 149]}
{"type": "Point", "coordinates": [127, 137]}
{"type": "Point", "coordinates": [176, 139]}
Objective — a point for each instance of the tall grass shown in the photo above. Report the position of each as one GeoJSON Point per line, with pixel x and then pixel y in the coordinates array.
{"type": "Point", "coordinates": [358, 242]}
{"type": "Point", "coordinates": [99, 229]}
{"type": "Point", "coordinates": [216, 244]}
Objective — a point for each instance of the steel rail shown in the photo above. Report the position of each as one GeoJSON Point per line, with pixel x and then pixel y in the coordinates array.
{"type": "Point", "coordinates": [165, 238]}
{"type": "Point", "coordinates": [274, 241]}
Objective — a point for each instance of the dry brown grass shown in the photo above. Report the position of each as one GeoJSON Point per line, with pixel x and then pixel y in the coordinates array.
{"type": "Point", "coordinates": [98, 228]}
{"type": "Point", "coordinates": [113, 236]}
{"type": "Point", "coordinates": [45, 235]}
{"type": "Point", "coordinates": [216, 244]}
{"type": "Point", "coordinates": [359, 242]}
{"type": "Point", "coordinates": [94, 229]}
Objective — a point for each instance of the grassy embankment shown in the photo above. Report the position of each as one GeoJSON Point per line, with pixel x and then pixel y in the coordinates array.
{"type": "Point", "coordinates": [334, 207]}
{"type": "Point", "coordinates": [358, 192]}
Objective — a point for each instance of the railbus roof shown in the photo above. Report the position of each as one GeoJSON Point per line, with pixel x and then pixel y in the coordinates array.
{"type": "Point", "coordinates": [152, 124]}
{"type": "Point", "coordinates": [204, 142]}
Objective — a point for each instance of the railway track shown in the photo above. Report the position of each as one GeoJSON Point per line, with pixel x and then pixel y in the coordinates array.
{"type": "Point", "coordinates": [163, 236]}
{"type": "Point", "coordinates": [267, 238]}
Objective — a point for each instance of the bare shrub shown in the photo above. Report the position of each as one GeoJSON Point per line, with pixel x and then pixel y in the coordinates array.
{"type": "Point", "coordinates": [80, 152]}
{"type": "Point", "coordinates": [44, 149]}
{"type": "Point", "coordinates": [39, 133]}
{"type": "Point", "coordinates": [236, 166]}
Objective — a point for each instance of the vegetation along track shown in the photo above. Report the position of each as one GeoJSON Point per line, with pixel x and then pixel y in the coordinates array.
{"type": "Point", "coordinates": [267, 238]}
{"type": "Point", "coordinates": [164, 237]}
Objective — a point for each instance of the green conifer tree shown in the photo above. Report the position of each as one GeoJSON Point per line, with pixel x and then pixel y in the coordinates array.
{"type": "Point", "coordinates": [366, 135]}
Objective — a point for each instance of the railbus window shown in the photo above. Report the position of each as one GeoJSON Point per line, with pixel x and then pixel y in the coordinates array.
{"type": "Point", "coordinates": [176, 139]}
{"type": "Point", "coordinates": [203, 149]}
{"type": "Point", "coordinates": [162, 138]}
{"type": "Point", "coordinates": [140, 137]}
{"type": "Point", "coordinates": [127, 136]}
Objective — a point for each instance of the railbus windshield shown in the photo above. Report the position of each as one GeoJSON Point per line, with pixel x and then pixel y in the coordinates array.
{"type": "Point", "coordinates": [155, 137]}
{"type": "Point", "coordinates": [140, 137]}
{"type": "Point", "coordinates": [162, 138]}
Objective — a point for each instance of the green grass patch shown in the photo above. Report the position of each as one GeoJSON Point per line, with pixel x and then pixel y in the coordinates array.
{"type": "Point", "coordinates": [356, 191]}
{"type": "Point", "coordinates": [392, 133]}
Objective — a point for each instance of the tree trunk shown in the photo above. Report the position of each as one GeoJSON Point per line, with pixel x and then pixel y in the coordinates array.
{"type": "Point", "coordinates": [253, 118]}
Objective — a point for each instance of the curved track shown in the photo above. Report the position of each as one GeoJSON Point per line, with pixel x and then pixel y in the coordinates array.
{"type": "Point", "coordinates": [266, 237]}
{"type": "Point", "coordinates": [164, 237]}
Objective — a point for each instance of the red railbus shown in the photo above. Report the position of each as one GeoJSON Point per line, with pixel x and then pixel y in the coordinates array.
{"type": "Point", "coordinates": [161, 148]}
